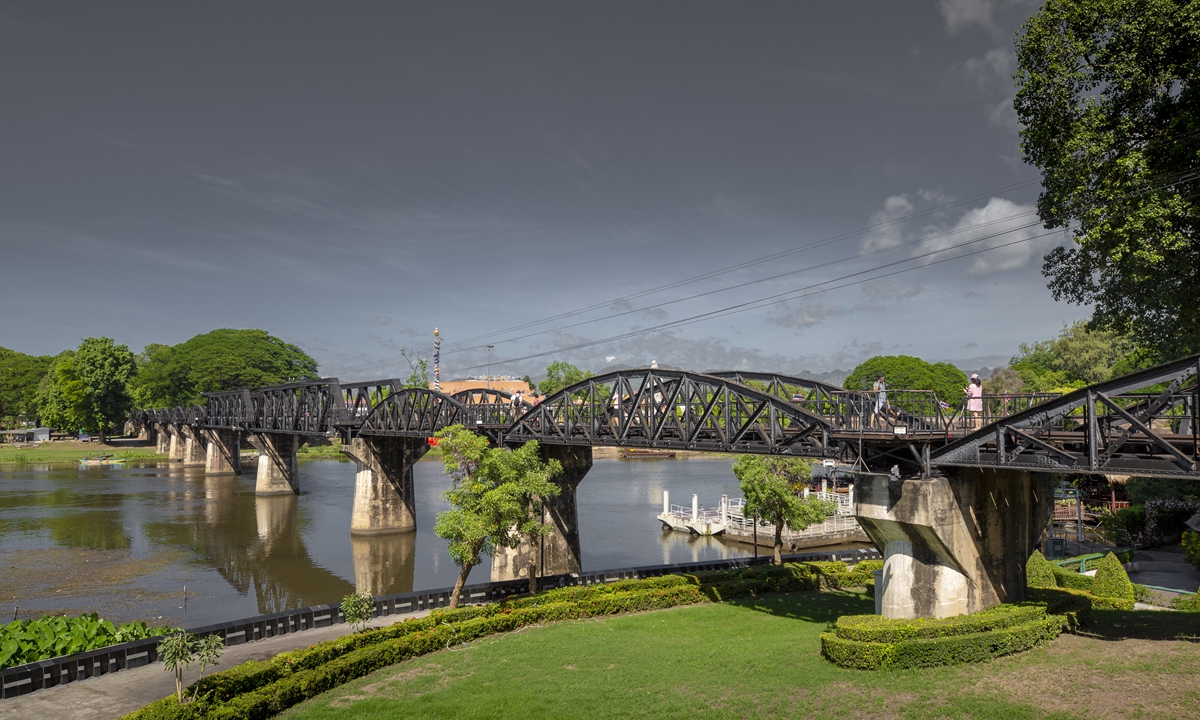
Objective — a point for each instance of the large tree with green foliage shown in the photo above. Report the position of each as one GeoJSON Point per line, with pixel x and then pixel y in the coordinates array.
{"type": "Point", "coordinates": [217, 361]}
{"type": "Point", "coordinates": [494, 493]}
{"type": "Point", "coordinates": [772, 486]}
{"type": "Point", "coordinates": [560, 374]}
{"type": "Point", "coordinates": [1110, 105]}
{"type": "Point", "coordinates": [88, 388]}
{"type": "Point", "coordinates": [20, 376]}
{"type": "Point", "coordinates": [1078, 356]}
{"type": "Point", "coordinates": [904, 372]}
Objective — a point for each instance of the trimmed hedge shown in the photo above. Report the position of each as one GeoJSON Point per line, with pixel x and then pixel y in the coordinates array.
{"type": "Point", "coordinates": [262, 689]}
{"type": "Point", "coordinates": [1039, 572]}
{"type": "Point", "coordinates": [1111, 580]}
{"type": "Point", "coordinates": [869, 642]}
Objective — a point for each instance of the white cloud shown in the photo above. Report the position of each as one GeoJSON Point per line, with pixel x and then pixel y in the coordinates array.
{"type": "Point", "coordinates": [963, 14]}
{"type": "Point", "coordinates": [891, 235]}
{"type": "Point", "coordinates": [891, 291]}
{"type": "Point", "coordinates": [806, 315]}
{"type": "Point", "coordinates": [997, 62]}
{"type": "Point", "coordinates": [996, 224]}
{"type": "Point", "coordinates": [1002, 115]}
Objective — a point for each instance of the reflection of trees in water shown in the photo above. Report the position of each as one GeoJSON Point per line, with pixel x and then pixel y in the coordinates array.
{"type": "Point", "coordinates": [255, 544]}
{"type": "Point", "coordinates": [85, 520]}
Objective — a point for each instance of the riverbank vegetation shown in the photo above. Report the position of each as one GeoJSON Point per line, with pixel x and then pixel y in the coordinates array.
{"type": "Point", "coordinates": [26, 641]}
{"type": "Point", "coordinates": [72, 452]}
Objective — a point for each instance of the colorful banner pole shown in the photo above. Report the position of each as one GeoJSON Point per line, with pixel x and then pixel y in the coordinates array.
{"type": "Point", "coordinates": [437, 360]}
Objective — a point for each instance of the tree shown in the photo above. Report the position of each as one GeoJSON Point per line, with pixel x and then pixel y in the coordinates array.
{"type": "Point", "coordinates": [904, 372]}
{"type": "Point", "coordinates": [20, 375]}
{"type": "Point", "coordinates": [87, 389]}
{"type": "Point", "coordinates": [215, 362]}
{"type": "Point", "coordinates": [1110, 108]}
{"type": "Point", "coordinates": [561, 374]}
{"type": "Point", "coordinates": [1078, 356]}
{"type": "Point", "coordinates": [1003, 381]}
{"type": "Point", "coordinates": [770, 486]}
{"type": "Point", "coordinates": [419, 367]}
{"type": "Point", "coordinates": [494, 493]}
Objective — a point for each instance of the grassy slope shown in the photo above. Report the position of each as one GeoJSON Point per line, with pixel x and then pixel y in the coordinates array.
{"type": "Point", "coordinates": [761, 658]}
{"type": "Point", "coordinates": [70, 451]}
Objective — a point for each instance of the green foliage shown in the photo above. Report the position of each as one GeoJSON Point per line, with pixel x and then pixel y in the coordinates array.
{"type": "Point", "coordinates": [1111, 580]}
{"type": "Point", "coordinates": [217, 361]}
{"type": "Point", "coordinates": [1039, 572]}
{"type": "Point", "coordinates": [1187, 603]}
{"type": "Point", "coordinates": [358, 609]}
{"type": "Point", "coordinates": [770, 484]}
{"type": "Point", "coordinates": [1191, 546]}
{"type": "Point", "coordinates": [179, 650]}
{"type": "Point", "coordinates": [20, 375]}
{"type": "Point", "coordinates": [904, 372]}
{"type": "Point", "coordinates": [26, 641]}
{"type": "Point", "coordinates": [1078, 356]}
{"type": "Point", "coordinates": [560, 374]}
{"type": "Point", "coordinates": [870, 642]}
{"type": "Point", "coordinates": [419, 367]}
{"type": "Point", "coordinates": [1107, 101]}
{"type": "Point", "coordinates": [1125, 524]}
{"type": "Point", "coordinates": [1144, 489]}
{"type": "Point", "coordinates": [495, 494]}
{"type": "Point", "coordinates": [88, 388]}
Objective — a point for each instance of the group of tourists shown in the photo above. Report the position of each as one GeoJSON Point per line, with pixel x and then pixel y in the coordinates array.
{"type": "Point", "coordinates": [883, 410]}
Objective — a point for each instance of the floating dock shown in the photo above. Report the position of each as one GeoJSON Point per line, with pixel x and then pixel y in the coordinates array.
{"type": "Point", "coordinates": [728, 521]}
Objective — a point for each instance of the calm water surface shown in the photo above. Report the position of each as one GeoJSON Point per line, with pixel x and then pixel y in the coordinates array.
{"type": "Point", "coordinates": [125, 541]}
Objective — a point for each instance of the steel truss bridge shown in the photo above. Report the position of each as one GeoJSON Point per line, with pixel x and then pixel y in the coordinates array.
{"type": "Point", "coordinates": [1141, 424]}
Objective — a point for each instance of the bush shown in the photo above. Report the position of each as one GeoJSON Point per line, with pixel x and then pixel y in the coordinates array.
{"type": "Point", "coordinates": [1187, 603]}
{"type": "Point", "coordinates": [26, 641]}
{"type": "Point", "coordinates": [1125, 525]}
{"type": "Point", "coordinates": [1039, 572]}
{"type": "Point", "coordinates": [1071, 579]}
{"type": "Point", "coordinates": [1111, 580]}
{"type": "Point", "coordinates": [835, 574]}
{"type": "Point", "coordinates": [1191, 546]}
{"type": "Point", "coordinates": [868, 642]}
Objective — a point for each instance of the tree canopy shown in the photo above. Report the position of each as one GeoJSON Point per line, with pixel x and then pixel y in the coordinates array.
{"type": "Point", "coordinates": [217, 361]}
{"type": "Point", "coordinates": [1079, 356]}
{"type": "Point", "coordinates": [770, 485]}
{"type": "Point", "coordinates": [904, 372]}
{"type": "Point", "coordinates": [1110, 108]}
{"type": "Point", "coordinates": [560, 374]}
{"type": "Point", "coordinates": [88, 388]}
{"type": "Point", "coordinates": [493, 492]}
{"type": "Point", "coordinates": [20, 375]}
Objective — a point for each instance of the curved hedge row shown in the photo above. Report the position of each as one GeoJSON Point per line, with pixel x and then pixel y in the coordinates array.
{"type": "Point", "coordinates": [1110, 589]}
{"type": "Point", "coordinates": [954, 649]}
{"type": "Point", "coordinates": [877, 629]}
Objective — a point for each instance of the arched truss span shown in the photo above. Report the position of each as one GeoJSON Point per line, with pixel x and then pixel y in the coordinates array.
{"type": "Point", "coordinates": [679, 410]}
{"type": "Point", "coordinates": [490, 408]}
{"type": "Point", "coordinates": [414, 413]}
{"type": "Point", "coordinates": [1144, 423]}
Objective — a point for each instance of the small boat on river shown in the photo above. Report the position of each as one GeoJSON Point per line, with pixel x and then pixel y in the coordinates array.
{"type": "Point", "coordinates": [99, 461]}
{"type": "Point", "coordinates": [646, 453]}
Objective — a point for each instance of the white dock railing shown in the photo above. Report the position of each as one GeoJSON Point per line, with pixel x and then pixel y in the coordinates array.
{"type": "Point", "coordinates": [730, 516]}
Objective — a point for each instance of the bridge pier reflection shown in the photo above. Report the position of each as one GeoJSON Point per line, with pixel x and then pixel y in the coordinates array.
{"type": "Point", "coordinates": [558, 552]}
{"type": "Point", "coordinates": [954, 544]}
{"type": "Point", "coordinates": [223, 452]}
{"type": "Point", "coordinates": [278, 471]}
{"type": "Point", "coordinates": [383, 564]}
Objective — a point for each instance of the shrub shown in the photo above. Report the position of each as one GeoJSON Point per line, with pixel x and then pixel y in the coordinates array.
{"type": "Point", "coordinates": [1125, 525]}
{"type": "Point", "coordinates": [1039, 572]}
{"type": "Point", "coordinates": [834, 574]}
{"type": "Point", "coordinates": [1071, 579]}
{"type": "Point", "coordinates": [868, 642]}
{"type": "Point", "coordinates": [1187, 603]}
{"type": "Point", "coordinates": [1191, 546]}
{"type": "Point", "coordinates": [358, 609]}
{"type": "Point", "coordinates": [1111, 580]}
{"type": "Point", "coordinates": [26, 641]}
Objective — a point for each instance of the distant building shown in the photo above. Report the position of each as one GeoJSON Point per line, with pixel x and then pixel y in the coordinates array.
{"type": "Point", "coordinates": [25, 435]}
{"type": "Point", "coordinates": [449, 387]}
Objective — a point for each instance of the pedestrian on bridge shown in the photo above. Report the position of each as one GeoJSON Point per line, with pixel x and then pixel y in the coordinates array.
{"type": "Point", "coordinates": [974, 391]}
{"type": "Point", "coordinates": [882, 409]}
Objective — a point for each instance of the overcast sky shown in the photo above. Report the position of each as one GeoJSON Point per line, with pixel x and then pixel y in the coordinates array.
{"type": "Point", "coordinates": [349, 175]}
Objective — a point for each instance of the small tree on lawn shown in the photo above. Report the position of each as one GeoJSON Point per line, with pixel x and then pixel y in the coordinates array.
{"type": "Point", "coordinates": [770, 486]}
{"type": "Point", "coordinates": [492, 491]}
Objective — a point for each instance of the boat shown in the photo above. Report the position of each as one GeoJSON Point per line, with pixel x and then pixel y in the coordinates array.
{"type": "Point", "coordinates": [646, 453]}
{"type": "Point", "coordinates": [99, 461]}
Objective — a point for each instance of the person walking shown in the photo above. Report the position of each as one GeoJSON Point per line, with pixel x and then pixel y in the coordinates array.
{"type": "Point", "coordinates": [881, 400]}
{"type": "Point", "coordinates": [974, 391]}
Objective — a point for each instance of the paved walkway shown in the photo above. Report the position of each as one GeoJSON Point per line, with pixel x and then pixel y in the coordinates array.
{"type": "Point", "coordinates": [1164, 567]}
{"type": "Point", "coordinates": [110, 696]}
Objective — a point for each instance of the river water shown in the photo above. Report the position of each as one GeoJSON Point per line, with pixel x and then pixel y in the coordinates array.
{"type": "Point", "coordinates": [125, 541]}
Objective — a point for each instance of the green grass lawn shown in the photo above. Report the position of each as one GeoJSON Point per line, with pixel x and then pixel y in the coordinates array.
{"type": "Point", "coordinates": [71, 451]}
{"type": "Point", "coordinates": [761, 659]}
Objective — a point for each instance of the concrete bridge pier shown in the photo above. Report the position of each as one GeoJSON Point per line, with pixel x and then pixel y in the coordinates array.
{"type": "Point", "coordinates": [223, 452]}
{"type": "Point", "coordinates": [954, 544]}
{"type": "Point", "coordinates": [278, 471]}
{"type": "Point", "coordinates": [177, 449]}
{"type": "Point", "coordinates": [384, 500]}
{"type": "Point", "coordinates": [162, 439]}
{"type": "Point", "coordinates": [558, 552]}
{"type": "Point", "coordinates": [193, 447]}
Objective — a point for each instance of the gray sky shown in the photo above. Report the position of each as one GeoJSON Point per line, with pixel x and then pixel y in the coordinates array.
{"type": "Point", "coordinates": [349, 175]}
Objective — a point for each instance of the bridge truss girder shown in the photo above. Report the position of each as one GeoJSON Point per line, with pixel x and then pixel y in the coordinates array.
{"type": "Point", "coordinates": [676, 410]}
{"type": "Point", "coordinates": [1144, 423]}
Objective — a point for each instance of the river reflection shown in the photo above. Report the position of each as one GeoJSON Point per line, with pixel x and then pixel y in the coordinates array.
{"type": "Point", "coordinates": [124, 541]}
